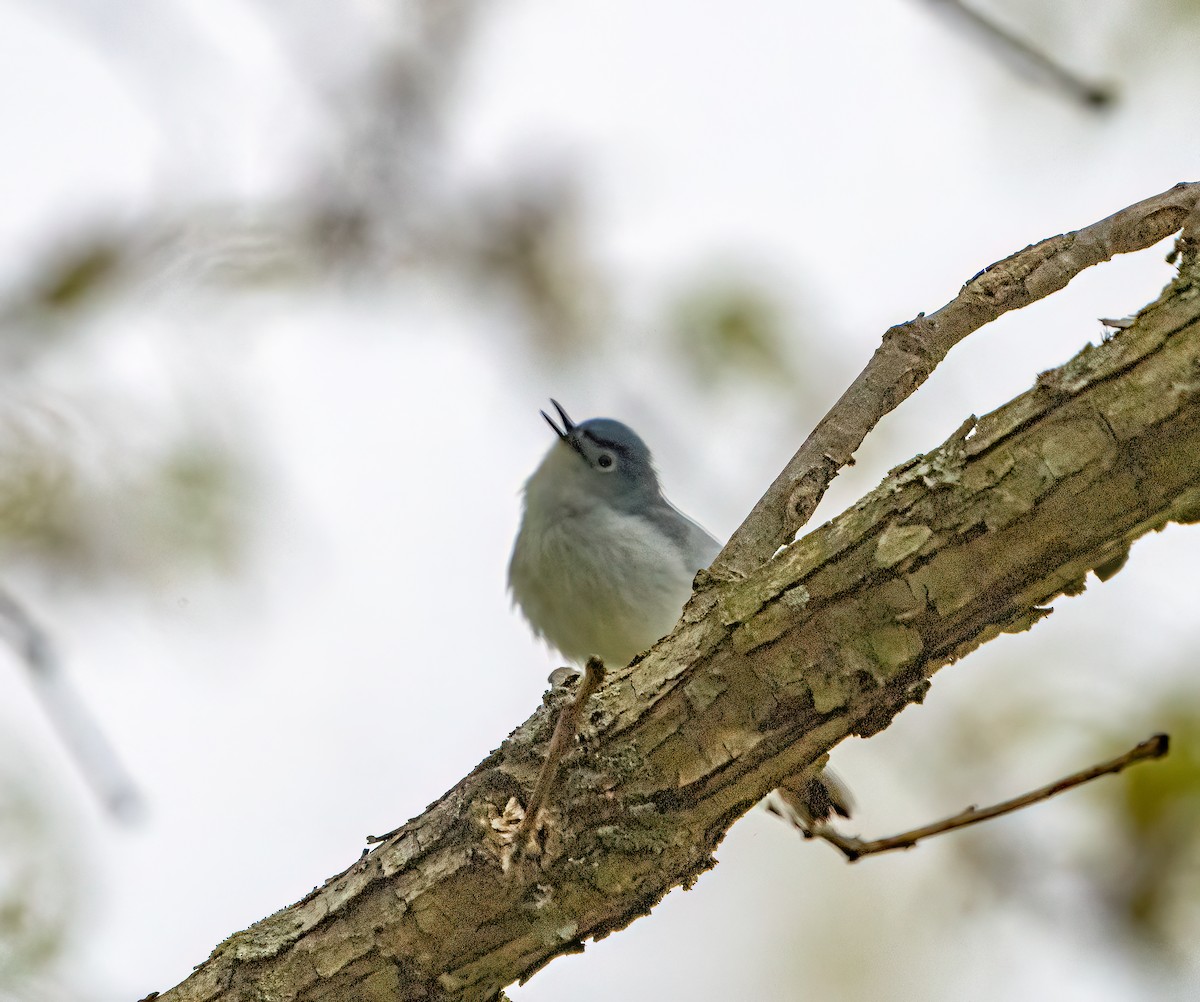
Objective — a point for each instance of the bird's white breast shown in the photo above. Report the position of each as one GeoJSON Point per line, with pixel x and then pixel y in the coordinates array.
{"type": "Point", "coordinates": [597, 581]}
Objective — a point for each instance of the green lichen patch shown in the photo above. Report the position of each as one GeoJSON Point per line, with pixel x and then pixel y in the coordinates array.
{"type": "Point", "coordinates": [894, 647]}
{"type": "Point", "coordinates": [900, 541]}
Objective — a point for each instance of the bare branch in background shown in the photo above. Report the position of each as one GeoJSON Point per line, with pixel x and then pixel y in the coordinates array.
{"type": "Point", "coordinates": [910, 352]}
{"type": "Point", "coordinates": [854, 848]}
{"type": "Point", "coordinates": [88, 746]}
{"type": "Point", "coordinates": [1027, 58]}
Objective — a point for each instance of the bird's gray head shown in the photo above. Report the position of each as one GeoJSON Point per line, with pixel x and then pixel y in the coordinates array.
{"type": "Point", "coordinates": [600, 458]}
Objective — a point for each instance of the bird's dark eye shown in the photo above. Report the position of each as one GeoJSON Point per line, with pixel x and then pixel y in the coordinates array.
{"type": "Point", "coordinates": [605, 461]}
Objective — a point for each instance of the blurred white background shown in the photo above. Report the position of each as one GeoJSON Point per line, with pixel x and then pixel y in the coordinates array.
{"type": "Point", "coordinates": [282, 289]}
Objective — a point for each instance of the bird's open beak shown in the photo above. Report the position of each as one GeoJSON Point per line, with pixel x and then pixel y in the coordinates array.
{"type": "Point", "coordinates": [568, 425]}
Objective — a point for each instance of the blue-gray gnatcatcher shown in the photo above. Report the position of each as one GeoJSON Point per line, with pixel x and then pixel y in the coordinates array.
{"type": "Point", "coordinates": [603, 563]}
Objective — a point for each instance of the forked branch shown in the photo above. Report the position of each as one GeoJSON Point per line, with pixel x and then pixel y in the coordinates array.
{"type": "Point", "coordinates": [910, 352]}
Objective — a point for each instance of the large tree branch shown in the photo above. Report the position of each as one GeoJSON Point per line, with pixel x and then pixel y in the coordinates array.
{"type": "Point", "coordinates": [764, 674]}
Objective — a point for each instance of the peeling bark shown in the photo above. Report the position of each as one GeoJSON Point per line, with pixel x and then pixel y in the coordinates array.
{"type": "Point", "coordinates": [765, 673]}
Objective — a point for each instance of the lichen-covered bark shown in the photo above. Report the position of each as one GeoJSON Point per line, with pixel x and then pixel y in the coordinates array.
{"type": "Point", "coordinates": [766, 673]}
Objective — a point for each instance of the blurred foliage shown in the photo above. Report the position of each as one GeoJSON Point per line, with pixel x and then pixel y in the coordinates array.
{"type": "Point", "coordinates": [371, 206]}
{"type": "Point", "coordinates": [198, 500]}
{"type": "Point", "coordinates": [101, 512]}
{"type": "Point", "coordinates": [1148, 876]}
{"type": "Point", "coordinates": [37, 903]}
{"type": "Point", "coordinates": [35, 491]}
{"type": "Point", "coordinates": [68, 283]}
{"type": "Point", "coordinates": [525, 242]}
{"type": "Point", "coordinates": [725, 328]}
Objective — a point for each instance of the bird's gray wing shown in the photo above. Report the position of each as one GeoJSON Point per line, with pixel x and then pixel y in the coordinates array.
{"type": "Point", "coordinates": [698, 546]}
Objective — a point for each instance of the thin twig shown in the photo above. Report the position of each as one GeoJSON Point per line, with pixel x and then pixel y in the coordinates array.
{"type": "Point", "coordinates": [854, 848]}
{"type": "Point", "coordinates": [92, 752]}
{"type": "Point", "coordinates": [565, 729]}
{"type": "Point", "coordinates": [911, 351]}
{"type": "Point", "coordinates": [1025, 56]}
